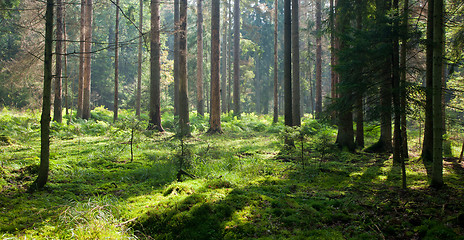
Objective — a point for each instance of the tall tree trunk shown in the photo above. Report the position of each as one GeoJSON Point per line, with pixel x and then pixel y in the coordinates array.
{"type": "Point", "coordinates": [396, 87]}
{"type": "Point", "coordinates": [215, 116]}
{"type": "Point", "coordinates": [184, 122]}
{"type": "Point", "coordinates": [318, 59]}
{"type": "Point", "coordinates": [223, 67]}
{"type": "Point", "coordinates": [427, 147]}
{"type": "Point", "coordinates": [139, 63]}
{"type": "Point", "coordinates": [404, 138]}
{"type": "Point", "coordinates": [45, 119]}
{"type": "Point", "coordinates": [200, 100]}
{"type": "Point", "coordinates": [80, 92]}
{"type": "Point", "coordinates": [116, 65]}
{"type": "Point", "coordinates": [288, 63]}
{"type": "Point", "coordinates": [237, 58]}
{"type": "Point", "coordinates": [332, 50]}
{"type": "Point", "coordinates": [65, 62]}
{"type": "Point", "coordinates": [229, 58]}
{"type": "Point", "coordinates": [360, 6]}
{"type": "Point", "coordinates": [176, 57]}
{"type": "Point", "coordinates": [155, 72]}
{"type": "Point", "coordinates": [276, 63]}
{"type": "Point", "coordinates": [296, 64]}
{"type": "Point", "coordinates": [438, 31]}
{"type": "Point", "coordinates": [87, 60]}
{"type": "Point", "coordinates": [57, 105]}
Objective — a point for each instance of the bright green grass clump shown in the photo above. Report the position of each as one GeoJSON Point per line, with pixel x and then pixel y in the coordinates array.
{"type": "Point", "coordinates": [243, 184]}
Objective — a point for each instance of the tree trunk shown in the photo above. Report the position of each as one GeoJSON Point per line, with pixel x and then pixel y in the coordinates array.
{"type": "Point", "coordinates": [155, 74]}
{"type": "Point", "coordinates": [332, 50]}
{"type": "Point", "coordinates": [318, 59]}
{"type": "Point", "coordinates": [45, 119]}
{"type": "Point", "coordinates": [116, 64]}
{"type": "Point", "coordinates": [229, 58]}
{"type": "Point", "coordinates": [360, 6]}
{"type": "Point", "coordinates": [397, 158]}
{"type": "Point", "coordinates": [65, 62]}
{"type": "Point", "coordinates": [427, 147]}
{"type": "Point", "coordinates": [237, 58]}
{"type": "Point", "coordinates": [276, 63]}
{"type": "Point", "coordinates": [403, 66]}
{"type": "Point", "coordinates": [296, 64]}
{"type": "Point", "coordinates": [139, 63]}
{"type": "Point", "coordinates": [288, 63]}
{"type": "Point", "coordinates": [215, 116]}
{"type": "Point", "coordinates": [223, 68]}
{"type": "Point", "coordinates": [176, 57]}
{"type": "Point", "coordinates": [184, 122]}
{"type": "Point", "coordinates": [57, 105]}
{"type": "Point", "coordinates": [462, 152]}
{"type": "Point", "coordinates": [80, 92]}
{"type": "Point", "coordinates": [438, 31]}
{"type": "Point", "coordinates": [87, 60]}
{"type": "Point", "coordinates": [200, 100]}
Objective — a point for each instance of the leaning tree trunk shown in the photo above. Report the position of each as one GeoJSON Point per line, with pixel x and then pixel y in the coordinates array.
{"type": "Point", "coordinates": [139, 63]}
{"type": "Point", "coordinates": [184, 123]}
{"type": "Point", "coordinates": [155, 72]}
{"type": "Point", "coordinates": [296, 121]}
{"type": "Point", "coordinates": [45, 119]}
{"type": "Point", "coordinates": [288, 63]}
{"type": "Point", "coordinates": [237, 58]}
{"type": "Point", "coordinates": [276, 64]}
{"type": "Point", "coordinates": [87, 60]}
{"type": "Point", "coordinates": [116, 65]}
{"type": "Point", "coordinates": [200, 100]}
{"type": "Point", "coordinates": [215, 116]}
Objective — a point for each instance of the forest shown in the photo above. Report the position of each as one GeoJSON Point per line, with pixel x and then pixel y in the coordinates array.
{"type": "Point", "coordinates": [231, 119]}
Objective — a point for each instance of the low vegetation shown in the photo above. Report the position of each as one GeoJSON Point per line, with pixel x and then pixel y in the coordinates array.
{"type": "Point", "coordinates": [120, 181]}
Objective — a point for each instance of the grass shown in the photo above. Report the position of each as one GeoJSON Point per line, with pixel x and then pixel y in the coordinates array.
{"type": "Point", "coordinates": [244, 186]}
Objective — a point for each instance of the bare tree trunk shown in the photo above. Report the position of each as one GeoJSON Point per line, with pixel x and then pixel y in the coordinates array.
{"type": "Point", "coordinates": [176, 57]}
{"type": "Point", "coordinates": [215, 116]}
{"type": "Point", "coordinates": [288, 63]}
{"type": "Point", "coordinates": [223, 67]}
{"type": "Point", "coordinates": [57, 106]}
{"type": "Point", "coordinates": [276, 63]}
{"type": "Point", "coordinates": [318, 60]}
{"type": "Point", "coordinates": [80, 92]}
{"type": "Point", "coordinates": [397, 158]}
{"type": "Point", "coordinates": [438, 31]}
{"type": "Point", "coordinates": [65, 62]}
{"type": "Point", "coordinates": [87, 60]}
{"type": "Point", "coordinates": [116, 65]}
{"type": "Point", "coordinates": [332, 50]}
{"type": "Point", "coordinates": [403, 81]}
{"type": "Point", "coordinates": [139, 64]}
{"type": "Point", "coordinates": [45, 119]}
{"type": "Point", "coordinates": [200, 100]}
{"type": "Point", "coordinates": [296, 64]}
{"type": "Point", "coordinates": [237, 57]}
{"type": "Point", "coordinates": [155, 72]}
{"type": "Point", "coordinates": [184, 122]}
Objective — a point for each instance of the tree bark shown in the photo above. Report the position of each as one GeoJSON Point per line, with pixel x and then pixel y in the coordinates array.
{"type": "Point", "coordinates": [237, 58]}
{"type": "Point", "coordinates": [397, 158]}
{"type": "Point", "coordinates": [45, 118]}
{"type": "Point", "coordinates": [116, 65]}
{"type": "Point", "coordinates": [318, 59]}
{"type": "Point", "coordinates": [184, 122]}
{"type": "Point", "coordinates": [57, 105]}
{"type": "Point", "coordinates": [80, 92]}
{"type": "Point", "coordinates": [215, 116]}
{"type": "Point", "coordinates": [296, 121]}
{"type": "Point", "coordinates": [223, 67]}
{"type": "Point", "coordinates": [155, 72]}
{"type": "Point", "coordinates": [360, 6]}
{"type": "Point", "coordinates": [287, 63]}
{"type": "Point", "coordinates": [276, 63]}
{"type": "Point", "coordinates": [200, 100]}
{"type": "Point", "coordinates": [427, 145]}
{"type": "Point", "coordinates": [438, 31]}
{"type": "Point", "coordinates": [65, 62]}
{"type": "Point", "coordinates": [403, 67]}
{"type": "Point", "coordinates": [87, 60]}
{"type": "Point", "coordinates": [176, 57]}
{"type": "Point", "coordinates": [139, 63]}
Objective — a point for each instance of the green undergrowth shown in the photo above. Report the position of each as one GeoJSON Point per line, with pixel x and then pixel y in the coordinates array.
{"type": "Point", "coordinates": [243, 184]}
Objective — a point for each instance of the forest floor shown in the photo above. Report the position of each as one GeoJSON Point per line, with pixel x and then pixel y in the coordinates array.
{"type": "Point", "coordinates": [244, 184]}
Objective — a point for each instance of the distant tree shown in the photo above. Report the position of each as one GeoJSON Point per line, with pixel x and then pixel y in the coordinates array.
{"type": "Point", "coordinates": [155, 72]}
{"type": "Point", "coordinates": [57, 106]}
{"type": "Point", "coordinates": [200, 100]}
{"type": "Point", "coordinates": [215, 115]}
{"type": "Point", "coordinates": [184, 123]}
{"type": "Point", "coordinates": [288, 63]}
{"type": "Point", "coordinates": [116, 64]}
{"type": "Point", "coordinates": [223, 89]}
{"type": "Point", "coordinates": [45, 119]}
{"type": "Point", "coordinates": [318, 59]}
{"type": "Point", "coordinates": [176, 57]}
{"type": "Point", "coordinates": [138, 97]}
{"type": "Point", "coordinates": [276, 64]}
{"type": "Point", "coordinates": [237, 57]}
{"type": "Point", "coordinates": [296, 121]}
{"type": "Point", "coordinates": [87, 60]}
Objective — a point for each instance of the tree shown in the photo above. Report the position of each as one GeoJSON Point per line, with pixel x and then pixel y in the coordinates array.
{"type": "Point", "coordinates": [87, 60]}
{"type": "Point", "coordinates": [237, 57]}
{"type": "Point", "coordinates": [359, 108]}
{"type": "Point", "coordinates": [215, 115]}
{"type": "Point", "coordinates": [318, 59]}
{"type": "Point", "coordinates": [45, 118]}
{"type": "Point", "coordinates": [276, 64]}
{"type": "Point", "coordinates": [176, 57]}
{"type": "Point", "coordinates": [438, 32]}
{"type": "Point", "coordinates": [296, 64]}
{"type": "Point", "coordinates": [184, 123]}
{"type": "Point", "coordinates": [116, 64]}
{"type": "Point", "coordinates": [427, 144]}
{"type": "Point", "coordinates": [223, 89]}
{"type": "Point", "coordinates": [80, 93]}
{"type": "Point", "coordinates": [200, 100]}
{"type": "Point", "coordinates": [139, 63]}
{"type": "Point", "coordinates": [155, 74]}
{"type": "Point", "coordinates": [57, 105]}
{"type": "Point", "coordinates": [287, 63]}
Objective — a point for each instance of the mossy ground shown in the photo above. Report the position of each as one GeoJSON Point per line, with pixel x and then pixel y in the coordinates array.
{"type": "Point", "coordinates": [246, 188]}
